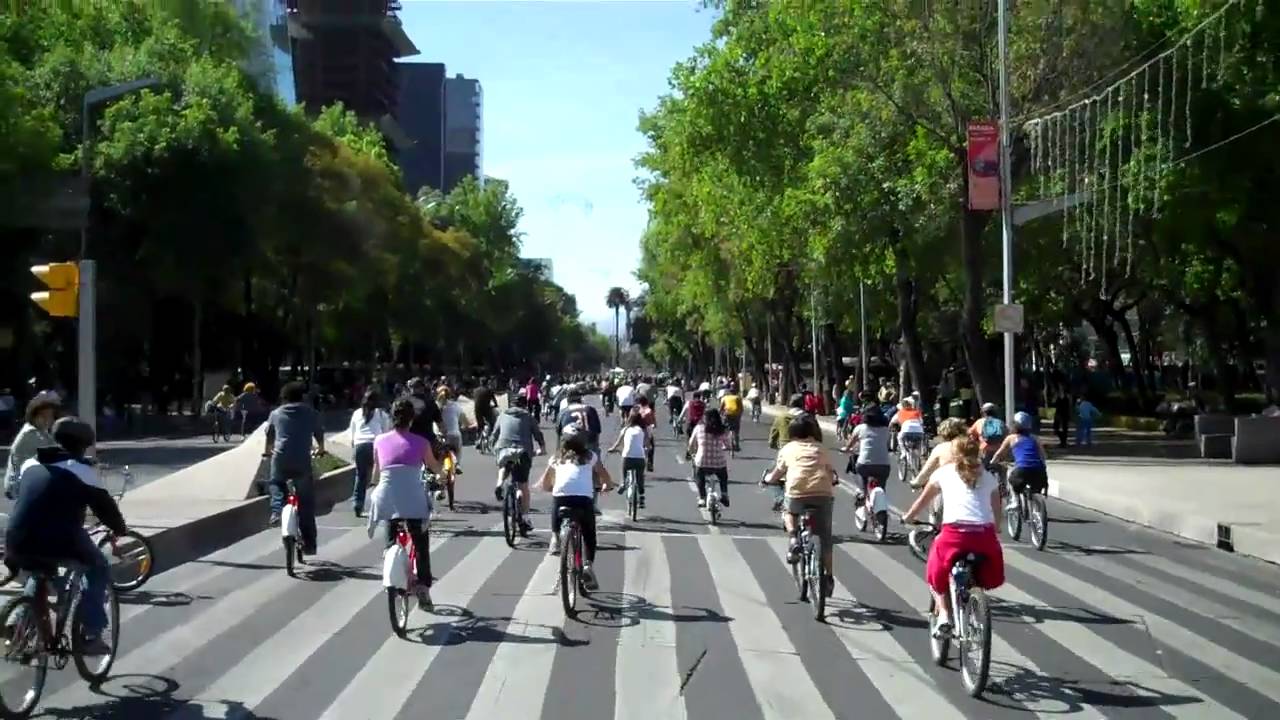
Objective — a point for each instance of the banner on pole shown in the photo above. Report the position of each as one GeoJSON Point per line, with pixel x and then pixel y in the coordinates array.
{"type": "Point", "coordinates": [984, 165]}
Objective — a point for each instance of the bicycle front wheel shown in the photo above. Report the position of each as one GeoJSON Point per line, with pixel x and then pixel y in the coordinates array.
{"type": "Point", "coordinates": [398, 610]}
{"type": "Point", "coordinates": [26, 662]}
{"type": "Point", "coordinates": [815, 581]}
{"type": "Point", "coordinates": [568, 578]}
{"type": "Point", "coordinates": [510, 524]}
{"type": "Point", "coordinates": [1038, 515]}
{"type": "Point", "coordinates": [131, 559]}
{"type": "Point", "coordinates": [633, 496]}
{"type": "Point", "coordinates": [94, 668]}
{"type": "Point", "coordinates": [975, 643]}
{"type": "Point", "coordinates": [289, 554]}
{"type": "Point", "coordinates": [1013, 522]}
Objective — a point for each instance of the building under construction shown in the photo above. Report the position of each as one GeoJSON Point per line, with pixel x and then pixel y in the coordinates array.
{"type": "Point", "coordinates": [345, 51]}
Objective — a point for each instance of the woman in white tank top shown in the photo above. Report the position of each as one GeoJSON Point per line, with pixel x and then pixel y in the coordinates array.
{"type": "Point", "coordinates": [970, 513]}
{"type": "Point", "coordinates": [572, 477]}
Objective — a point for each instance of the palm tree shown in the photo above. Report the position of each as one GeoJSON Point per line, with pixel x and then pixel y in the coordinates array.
{"type": "Point", "coordinates": [616, 300]}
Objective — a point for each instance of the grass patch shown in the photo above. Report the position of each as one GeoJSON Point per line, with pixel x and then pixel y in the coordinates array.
{"type": "Point", "coordinates": [327, 463]}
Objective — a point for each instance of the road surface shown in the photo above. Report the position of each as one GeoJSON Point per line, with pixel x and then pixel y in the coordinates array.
{"type": "Point", "coordinates": [1112, 620]}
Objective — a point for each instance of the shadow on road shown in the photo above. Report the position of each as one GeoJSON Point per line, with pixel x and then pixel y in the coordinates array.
{"type": "Point", "coordinates": [145, 697]}
{"type": "Point", "coordinates": [1021, 613]}
{"type": "Point", "coordinates": [1017, 687]}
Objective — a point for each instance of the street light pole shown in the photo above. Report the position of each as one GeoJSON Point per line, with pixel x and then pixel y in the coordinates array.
{"type": "Point", "coordinates": [862, 321]}
{"type": "Point", "coordinates": [1006, 202]}
{"type": "Point", "coordinates": [813, 311]}
{"type": "Point", "coordinates": [86, 326]}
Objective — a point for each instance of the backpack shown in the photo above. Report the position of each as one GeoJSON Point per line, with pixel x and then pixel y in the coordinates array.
{"type": "Point", "coordinates": [993, 429]}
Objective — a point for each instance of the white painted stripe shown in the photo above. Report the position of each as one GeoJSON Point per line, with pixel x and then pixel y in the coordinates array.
{"type": "Point", "coordinates": [647, 675]}
{"type": "Point", "coordinates": [1262, 679]}
{"type": "Point", "coordinates": [520, 671]}
{"type": "Point", "coordinates": [385, 683]}
{"type": "Point", "coordinates": [1253, 624]}
{"type": "Point", "coordinates": [151, 655]}
{"type": "Point", "coordinates": [264, 669]}
{"type": "Point", "coordinates": [782, 686]}
{"type": "Point", "coordinates": [910, 587]}
{"type": "Point", "coordinates": [880, 655]}
{"type": "Point", "coordinates": [1270, 602]}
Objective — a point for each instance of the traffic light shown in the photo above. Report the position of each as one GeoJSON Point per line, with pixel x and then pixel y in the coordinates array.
{"type": "Point", "coordinates": [62, 299]}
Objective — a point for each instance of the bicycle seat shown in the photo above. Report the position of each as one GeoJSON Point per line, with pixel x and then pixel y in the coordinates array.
{"type": "Point", "coordinates": [974, 559]}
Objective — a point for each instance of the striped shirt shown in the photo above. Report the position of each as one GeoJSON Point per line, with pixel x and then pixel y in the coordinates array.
{"type": "Point", "coordinates": [710, 452]}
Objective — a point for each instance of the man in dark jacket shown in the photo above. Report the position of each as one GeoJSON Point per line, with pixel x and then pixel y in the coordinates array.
{"type": "Point", "coordinates": [46, 525]}
{"type": "Point", "coordinates": [427, 412]}
{"type": "Point", "coordinates": [291, 428]}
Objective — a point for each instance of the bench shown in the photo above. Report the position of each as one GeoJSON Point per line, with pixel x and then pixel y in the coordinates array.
{"type": "Point", "coordinates": [1256, 441]}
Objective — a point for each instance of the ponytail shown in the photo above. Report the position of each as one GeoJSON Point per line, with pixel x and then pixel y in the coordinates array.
{"type": "Point", "coordinates": [968, 459]}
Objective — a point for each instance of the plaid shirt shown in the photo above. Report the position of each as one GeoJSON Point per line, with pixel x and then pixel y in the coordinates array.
{"type": "Point", "coordinates": [710, 452]}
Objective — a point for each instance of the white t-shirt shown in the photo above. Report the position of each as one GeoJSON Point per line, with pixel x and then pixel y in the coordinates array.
{"type": "Point", "coordinates": [363, 431]}
{"type": "Point", "coordinates": [574, 480]}
{"type": "Point", "coordinates": [962, 504]}
{"type": "Point", "coordinates": [633, 443]}
{"type": "Point", "coordinates": [674, 391]}
{"type": "Point", "coordinates": [451, 418]}
{"type": "Point", "coordinates": [753, 394]}
{"type": "Point", "coordinates": [626, 396]}
{"type": "Point", "coordinates": [912, 426]}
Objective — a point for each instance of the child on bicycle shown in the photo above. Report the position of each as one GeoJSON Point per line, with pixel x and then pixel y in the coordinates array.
{"type": "Point", "coordinates": [810, 480]}
{"type": "Point", "coordinates": [573, 476]}
{"type": "Point", "coordinates": [633, 442]}
{"type": "Point", "coordinates": [970, 512]}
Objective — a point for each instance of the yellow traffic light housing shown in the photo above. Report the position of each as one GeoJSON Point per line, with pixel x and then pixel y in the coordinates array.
{"type": "Point", "coordinates": [62, 299]}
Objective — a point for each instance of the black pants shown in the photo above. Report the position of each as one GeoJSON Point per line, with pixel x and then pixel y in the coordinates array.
{"type": "Point", "coordinates": [582, 509]}
{"type": "Point", "coordinates": [420, 544]}
{"type": "Point", "coordinates": [638, 466]}
{"type": "Point", "coordinates": [1061, 423]}
{"type": "Point", "coordinates": [701, 474]}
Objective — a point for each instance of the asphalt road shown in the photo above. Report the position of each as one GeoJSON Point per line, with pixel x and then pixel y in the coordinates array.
{"type": "Point", "coordinates": [1111, 621]}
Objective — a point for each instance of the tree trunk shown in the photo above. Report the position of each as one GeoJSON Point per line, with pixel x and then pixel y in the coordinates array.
{"type": "Point", "coordinates": [1107, 334]}
{"type": "Point", "coordinates": [908, 316]}
{"type": "Point", "coordinates": [197, 361]}
{"type": "Point", "coordinates": [982, 367]}
{"type": "Point", "coordinates": [617, 341]}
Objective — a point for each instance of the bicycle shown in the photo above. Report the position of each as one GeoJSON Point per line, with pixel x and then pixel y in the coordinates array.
{"type": "Point", "coordinates": [220, 420]}
{"type": "Point", "coordinates": [971, 610]}
{"type": "Point", "coordinates": [400, 578]}
{"type": "Point", "coordinates": [32, 640]}
{"type": "Point", "coordinates": [755, 412]}
{"type": "Point", "coordinates": [133, 546]}
{"type": "Point", "coordinates": [443, 486]}
{"type": "Point", "coordinates": [512, 515]}
{"type": "Point", "coordinates": [920, 538]}
{"type": "Point", "coordinates": [810, 577]}
{"type": "Point", "coordinates": [630, 488]}
{"type": "Point", "coordinates": [572, 563]}
{"type": "Point", "coordinates": [483, 444]}
{"type": "Point", "coordinates": [1028, 506]}
{"type": "Point", "coordinates": [872, 508]}
{"type": "Point", "coordinates": [291, 532]}
{"type": "Point", "coordinates": [713, 500]}
{"type": "Point", "coordinates": [911, 461]}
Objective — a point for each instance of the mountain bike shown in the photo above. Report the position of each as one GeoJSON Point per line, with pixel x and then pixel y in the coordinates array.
{"type": "Point", "coordinates": [811, 580]}
{"type": "Point", "coordinates": [400, 578]}
{"type": "Point", "coordinates": [291, 532]}
{"type": "Point", "coordinates": [133, 549]}
{"type": "Point", "coordinates": [971, 623]}
{"type": "Point", "coordinates": [36, 634]}
{"type": "Point", "coordinates": [1027, 506]}
{"type": "Point", "coordinates": [572, 580]}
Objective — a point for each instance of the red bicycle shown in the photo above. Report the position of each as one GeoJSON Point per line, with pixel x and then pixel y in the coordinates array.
{"type": "Point", "coordinates": [400, 578]}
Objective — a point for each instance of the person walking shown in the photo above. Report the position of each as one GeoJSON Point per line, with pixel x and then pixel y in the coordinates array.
{"type": "Point", "coordinates": [367, 423]}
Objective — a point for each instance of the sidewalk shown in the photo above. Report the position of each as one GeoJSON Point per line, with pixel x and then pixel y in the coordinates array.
{"type": "Point", "coordinates": [1147, 479]}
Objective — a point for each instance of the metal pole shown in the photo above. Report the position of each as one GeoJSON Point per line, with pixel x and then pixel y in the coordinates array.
{"type": "Point", "coordinates": [813, 311]}
{"type": "Point", "coordinates": [86, 128]}
{"type": "Point", "coordinates": [862, 321]}
{"type": "Point", "coordinates": [1006, 202]}
{"type": "Point", "coordinates": [86, 354]}
{"type": "Point", "coordinates": [768, 374]}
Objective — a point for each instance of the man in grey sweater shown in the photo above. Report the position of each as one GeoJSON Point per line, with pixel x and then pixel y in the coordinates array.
{"type": "Point", "coordinates": [512, 440]}
{"type": "Point", "coordinates": [290, 430]}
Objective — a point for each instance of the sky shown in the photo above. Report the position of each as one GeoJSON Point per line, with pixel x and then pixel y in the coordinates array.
{"type": "Point", "coordinates": [563, 85]}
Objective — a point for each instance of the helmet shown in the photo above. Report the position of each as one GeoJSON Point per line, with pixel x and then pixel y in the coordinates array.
{"type": "Point", "coordinates": [704, 387]}
{"type": "Point", "coordinates": [989, 408]}
{"type": "Point", "coordinates": [250, 387]}
{"type": "Point", "coordinates": [1023, 420]}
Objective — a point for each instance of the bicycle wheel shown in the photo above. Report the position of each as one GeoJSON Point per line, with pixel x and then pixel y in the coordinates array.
{"type": "Point", "coordinates": [882, 525]}
{"type": "Point", "coordinates": [26, 660]}
{"type": "Point", "coordinates": [1013, 521]}
{"type": "Point", "coordinates": [939, 647]}
{"type": "Point", "coordinates": [633, 496]}
{"type": "Point", "coordinates": [398, 610]}
{"type": "Point", "coordinates": [569, 572]}
{"type": "Point", "coordinates": [94, 668]}
{"type": "Point", "coordinates": [136, 561]}
{"type": "Point", "coordinates": [918, 541]}
{"type": "Point", "coordinates": [975, 643]}
{"type": "Point", "coordinates": [449, 490]}
{"type": "Point", "coordinates": [289, 554]}
{"type": "Point", "coordinates": [510, 524]}
{"type": "Point", "coordinates": [802, 583]}
{"type": "Point", "coordinates": [814, 571]}
{"type": "Point", "coordinates": [713, 510]}
{"type": "Point", "coordinates": [1039, 518]}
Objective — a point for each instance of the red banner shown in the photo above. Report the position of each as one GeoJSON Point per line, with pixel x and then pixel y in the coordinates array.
{"type": "Point", "coordinates": [984, 165]}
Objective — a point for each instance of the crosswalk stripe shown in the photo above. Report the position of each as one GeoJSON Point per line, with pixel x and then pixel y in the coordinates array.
{"type": "Point", "coordinates": [1261, 679]}
{"type": "Point", "coordinates": [519, 670]}
{"type": "Point", "coordinates": [648, 675]}
{"type": "Point", "coordinates": [171, 647]}
{"type": "Point", "coordinates": [1248, 596]}
{"type": "Point", "coordinates": [766, 652]}
{"type": "Point", "coordinates": [903, 685]}
{"type": "Point", "coordinates": [389, 677]}
{"type": "Point", "coordinates": [910, 587]}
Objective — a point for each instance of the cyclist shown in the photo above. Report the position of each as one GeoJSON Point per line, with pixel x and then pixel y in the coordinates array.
{"type": "Point", "coordinates": [634, 442]}
{"type": "Point", "coordinates": [778, 431]}
{"type": "Point", "coordinates": [608, 394]}
{"type": "Point", "coordinates": [290, 430]}
{"type": "Point", "coordinates": [573, 477]}
{"type": "Point", "coordinates": [970, 513]}
{"type": "Point", "coordinates": [691, 415]}
{"type": "Point", "coordinates": [46, 522]}
{"type": "Point", "coordinates": [675, 402]}
{"type": "Point", "coordinates": [989, 430]}
{"type": "Point", "coordinates": [35, 434]}
{"type": "Point", "coordinates": [512, 438]}
{"type": "Point", "coordinates": [753, 399]}
{"type": "Point", "coordinates": [427, 412]}
{"type": "Point", "coordinates": [452, 420]}
{"type": "Point", "coordinates": [626, 395]}
{"type": "Point", "coordinates": [708, 444]}
{"type": "Point", "coordinates": [731, 406]}
{"type": "Point", "coordinates": [532, 393]}
{"type": "Point", "coordinates": [845, 411]}
{"type": "Point", "coordinates": [650, 419]}
{"type": "Point", "coordinates": [221, 407]}
{"type": "Point", "coordinates": [486, 406]}
{"type": "Point", "coordinates": [810, 482]}
{"type": "Point", "coordinates": [399, 457]}
{"type": "Point", "coordinates": [910, 423]}
{"type": "Point", "coordinates": [948, 430]}
{"type": "Point", "coordinates": [583, 416]}
{"type": "Point", "coordinates": [871, 438]}
{"type": "Point", "coordinates": [367, 423]}
{"type": "Point", "coordinates": [1028, 455]}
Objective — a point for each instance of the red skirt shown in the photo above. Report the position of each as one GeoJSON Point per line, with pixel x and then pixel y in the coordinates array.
{"type": "Point", "coordinates": [956, 540]}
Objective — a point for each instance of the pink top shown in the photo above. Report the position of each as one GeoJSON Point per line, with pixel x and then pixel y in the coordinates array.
{"type": "Point", "coordinates": [399, 447]}
{"type": "Point", "coordinates": [531, 391]}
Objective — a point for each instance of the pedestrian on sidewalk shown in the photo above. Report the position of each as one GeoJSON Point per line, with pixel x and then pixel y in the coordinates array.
{"type": "Point", "coordinates": [367, 423]}
{"type": "Point", "coordinates": [1086, 414]}
{"type": "Point", "coordinates": [1062, 406]}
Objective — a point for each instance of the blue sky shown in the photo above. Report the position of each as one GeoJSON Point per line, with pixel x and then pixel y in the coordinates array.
{"type": "Point", "coordinates": [563, 86]}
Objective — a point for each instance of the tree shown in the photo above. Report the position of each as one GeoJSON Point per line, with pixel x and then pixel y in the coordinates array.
{"type": "Point", "coordinates": [617, 299]}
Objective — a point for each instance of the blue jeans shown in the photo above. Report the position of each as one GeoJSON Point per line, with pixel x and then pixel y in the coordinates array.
{"type": "Point", "coordinates": [97, 573]}
{"type": "Point", "coordinates": [1084, 432]}
{"type": "Point", "coordinates": [304, 483]}
{"type": "Point", "coordinates": [364, 469]}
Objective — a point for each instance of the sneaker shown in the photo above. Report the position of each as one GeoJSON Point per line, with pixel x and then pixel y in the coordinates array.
{"type": "Point", "coordinates": [589, 579]}
{"type": "Point", "coordinates": [554, 546]}
{"type": "Point", "coordinates": [642, 501]}
{"type": "Point", "coordinates": [274, 520]}
{"type": "Point", "coordinates": [942, 627]}
{"type": "Point", "coordinates": [526, 527]}
{"type": "Point", "coordinates": [424, 599]}
{"type": "Point", "coordinates": [359, 512]}
{"type": "Point", "coordinates": [702, 502]}
{"type": "Point", "coordinates": [724, 500]}
{"type": "Point", "coordinates": [94, 645]}
{"type": "Point", "coordinates": [622, 489]}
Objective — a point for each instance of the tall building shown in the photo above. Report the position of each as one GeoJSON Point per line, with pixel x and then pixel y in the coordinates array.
{"type": "Point", "coordinates": [345, 51]}
{"type": "Point", "coordinates": [421, 116]}
{"type": "Point", "coordinates": [463, 130]}
{"type": "Point", "coordinates": [271, 63]}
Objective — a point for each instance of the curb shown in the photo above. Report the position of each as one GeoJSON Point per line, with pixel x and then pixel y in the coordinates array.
{"type": "Point", "coordinates": [183, 543]}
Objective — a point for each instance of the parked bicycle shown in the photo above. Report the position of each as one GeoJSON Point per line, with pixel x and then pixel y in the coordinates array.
{"type": "Point", "coordinates": [36, 634]}
{"type": "Point", "coordinates": [971, 625]}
